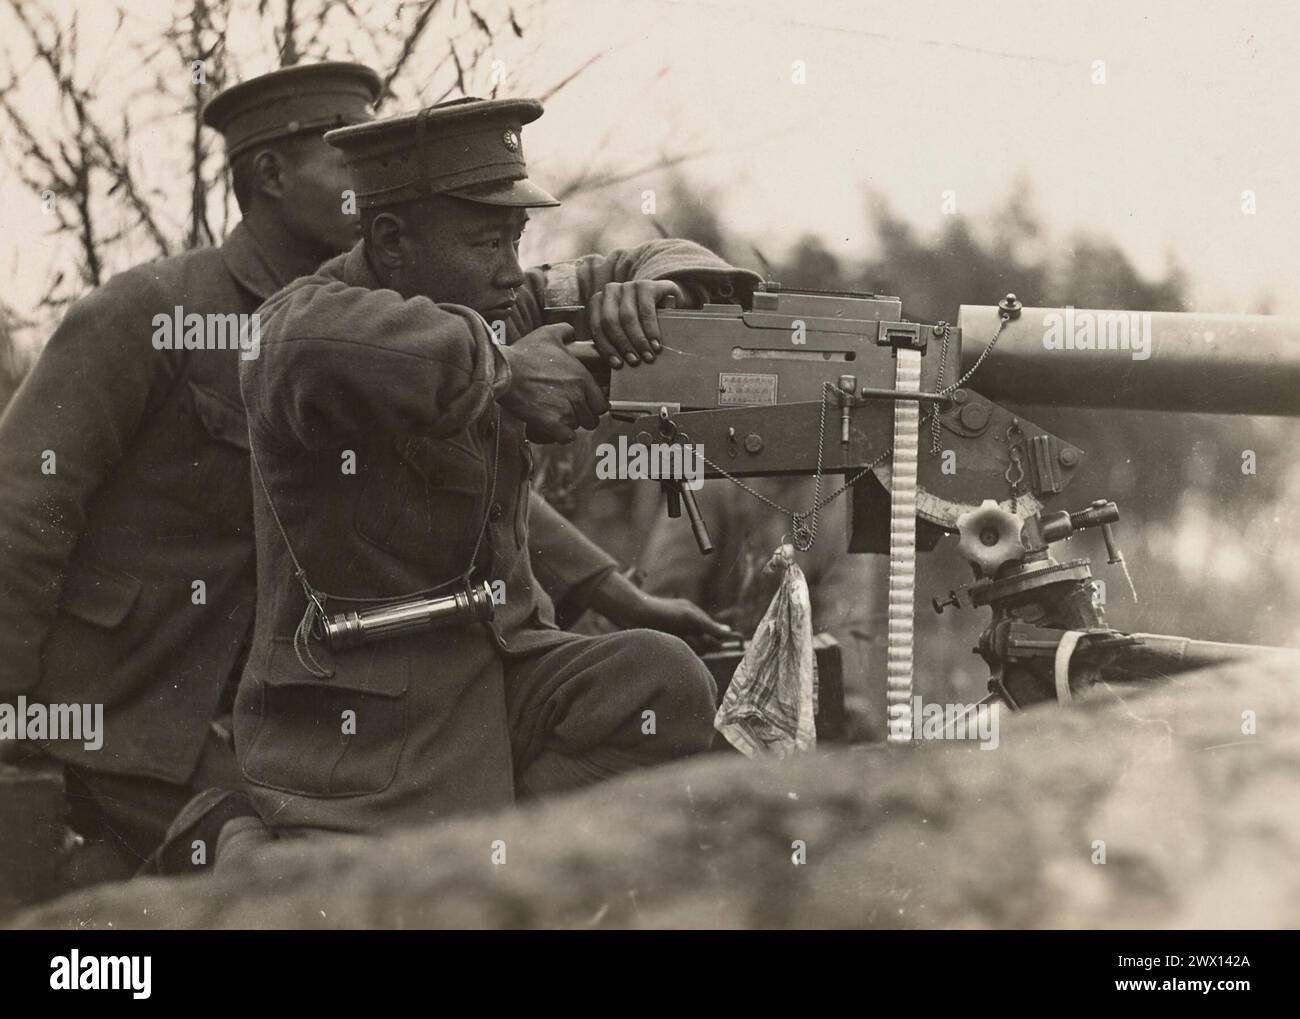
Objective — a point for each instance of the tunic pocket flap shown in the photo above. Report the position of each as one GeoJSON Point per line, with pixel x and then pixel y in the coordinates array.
{"type": "Point", "coordinates": [222, 419]}
{"type": "Point", "coordinates": [101, 596]}
{"type": "Point", "coordinates": [373, 669]}
{"type": "Point", "coordinates": [444, 465]}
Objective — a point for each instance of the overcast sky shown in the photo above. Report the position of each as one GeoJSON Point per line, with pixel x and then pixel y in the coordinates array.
{"type": "Point", "coordinates": [1199, 104]}
{"type": "Point", "coordinates": [912, 100]}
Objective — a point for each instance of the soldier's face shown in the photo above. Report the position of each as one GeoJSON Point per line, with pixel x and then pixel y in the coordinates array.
{"type": "Point", "coordinates": [314, 180]}
{"type": "Point", "coordinates": [468, 253]}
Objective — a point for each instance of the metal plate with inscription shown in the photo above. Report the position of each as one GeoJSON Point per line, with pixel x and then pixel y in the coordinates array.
{"type": "Point", "coordinates": [740, 389]}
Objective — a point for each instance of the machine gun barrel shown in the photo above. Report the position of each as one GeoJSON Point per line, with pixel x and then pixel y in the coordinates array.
{"type": "Point", "coordinates": [1179, 361]}
{"type": "Point", "coordinates": [1157, 654]}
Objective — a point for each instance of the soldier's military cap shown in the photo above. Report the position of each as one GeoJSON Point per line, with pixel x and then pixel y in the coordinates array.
{"type": "Point", "coordinates": [469, 148]}
{"type": "Point", "coordinates": [293, 100]}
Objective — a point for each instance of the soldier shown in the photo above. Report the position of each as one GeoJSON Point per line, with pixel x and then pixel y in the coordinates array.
{"type": "Point", "coordinates": [391, 455]}
{"type": "Point", "coordinates": [126, 555]}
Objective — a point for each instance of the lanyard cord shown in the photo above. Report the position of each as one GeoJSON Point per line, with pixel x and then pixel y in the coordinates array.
{"type": "Point", "coordinates": [316, 597]}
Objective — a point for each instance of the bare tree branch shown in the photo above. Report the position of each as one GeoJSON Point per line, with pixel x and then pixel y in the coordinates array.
{"type": "Point", "coordinates": [408, 47]}
{"type": "Point", "coordinates": [84, 157]}
{"type": "Point", "coordinates": [101, 153]}
{"type": "Point", "coordinates": [569, 78]}
{"type": "Point", "coordinates": [588, 181]}
{"type": "Point", "coordinates": [289, 45]}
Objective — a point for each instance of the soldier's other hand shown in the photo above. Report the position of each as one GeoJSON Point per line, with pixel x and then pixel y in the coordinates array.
{"type": "Point", "coordinates": [622, 602]}
{"type": "Point", "coordinates": [550, 390]}
{"type": "Point", "coordinates": [624, 322]}
{"type": "Point", "coordinates": [684, 619]}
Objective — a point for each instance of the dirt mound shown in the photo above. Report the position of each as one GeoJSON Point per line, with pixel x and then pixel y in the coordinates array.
{"type": "Point", "coordinates": [1197, 819]}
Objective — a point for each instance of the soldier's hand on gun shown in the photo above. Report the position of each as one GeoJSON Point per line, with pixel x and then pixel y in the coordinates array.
{"type": "Point", "coordinates": [624, 322]}
{"type": "Point", "coordinates": [550, 390]}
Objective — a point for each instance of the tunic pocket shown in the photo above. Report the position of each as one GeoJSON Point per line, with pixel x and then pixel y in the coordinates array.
{"type": "Point", "coordinates": [423, 502]}
{"type": "Point", "coordinates": [341, 736]}
{"type": "Point", "coordinates": [100, 631]}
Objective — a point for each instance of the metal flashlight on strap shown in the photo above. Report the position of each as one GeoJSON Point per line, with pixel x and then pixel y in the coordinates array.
{"type": "Point", "coordinates": [472, 603]}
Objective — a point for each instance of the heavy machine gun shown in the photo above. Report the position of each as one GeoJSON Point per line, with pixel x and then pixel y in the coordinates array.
{"type": "Point", "coordinates": [799, 382]}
